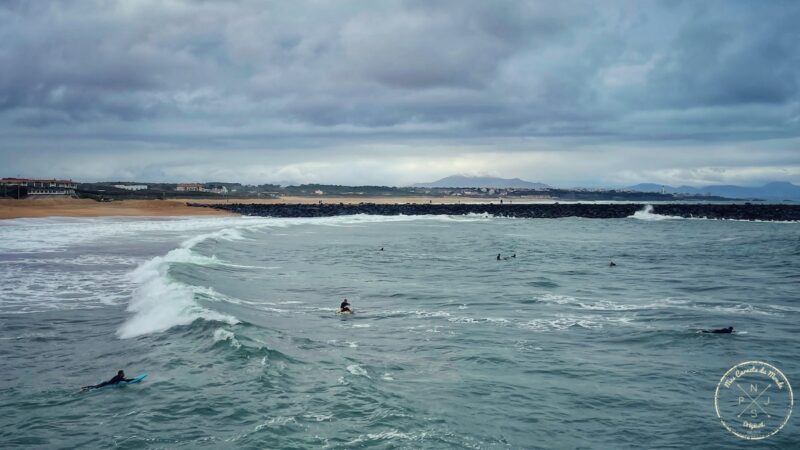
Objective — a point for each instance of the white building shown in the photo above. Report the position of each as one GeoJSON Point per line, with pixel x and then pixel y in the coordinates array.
{"type": "Point", "coordinates": [42, 187]}
{"type": "Point", "coordinates": [200, 187]}
{"type": "Point", "coordinates": [189, 187]}
{"type": "Point", "coordinates": [216, 190]}
{"type": "Point", "coordinates": [131, 187]}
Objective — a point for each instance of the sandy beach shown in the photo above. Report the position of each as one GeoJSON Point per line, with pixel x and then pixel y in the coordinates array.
{"type": "Point", "coordinates": [15, 209]}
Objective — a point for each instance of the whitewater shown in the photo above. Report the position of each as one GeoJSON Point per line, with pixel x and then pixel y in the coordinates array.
{"type": "Point", "coordinates": [233, 319]}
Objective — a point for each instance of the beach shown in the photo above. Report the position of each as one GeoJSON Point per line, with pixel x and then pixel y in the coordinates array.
{"type": "Point", "coordinates": [29, 208]}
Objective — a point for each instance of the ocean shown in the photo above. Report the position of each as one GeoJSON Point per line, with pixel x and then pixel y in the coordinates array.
{"type": "Point", "coordinates": [233, 319]}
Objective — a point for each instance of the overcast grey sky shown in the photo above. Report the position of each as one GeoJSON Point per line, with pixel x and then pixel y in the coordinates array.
{"type": "Point", "coordinates": [395, 92]}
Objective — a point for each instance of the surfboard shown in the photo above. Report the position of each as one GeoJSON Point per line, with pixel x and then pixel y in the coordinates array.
{"type": "Point", "coordinates": [137, 379]}
{"type": "Point", "coordinates": [343, 313]}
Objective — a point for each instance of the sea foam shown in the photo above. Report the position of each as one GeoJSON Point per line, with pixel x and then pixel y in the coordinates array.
{"type": "Point", "coordinates": [159, 302]}
{"type": "Point", "coordinates": [647, 214]}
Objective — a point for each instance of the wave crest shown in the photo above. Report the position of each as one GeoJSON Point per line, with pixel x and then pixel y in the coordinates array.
{"type": "Point", "coordinates": [159, 302]}
{"type": "Point", "coordinates": [647, 214]}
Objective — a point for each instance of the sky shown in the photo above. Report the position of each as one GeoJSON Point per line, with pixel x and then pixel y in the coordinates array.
{"type": "Point", "coordinates": [395, 92]}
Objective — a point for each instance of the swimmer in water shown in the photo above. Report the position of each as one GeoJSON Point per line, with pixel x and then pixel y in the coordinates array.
{"type": "Point", "coordinates": [728, 330]}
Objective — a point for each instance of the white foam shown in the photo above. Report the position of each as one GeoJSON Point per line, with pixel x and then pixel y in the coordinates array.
{"type": "Point", "coordinates": [221, 334]}
{"type": "Point", "coordinates": [560, 324]}
{"type": "Point", "coordinates": [471, 320]}
{"type": "Point", "coordinates": [647, 214]}
{"type": "Point", "coordinates": [47, 284]}
{"type": "Point", "coordinates": [559, 299]}
{"type": "Point", "coordinates": [319, 417]}
{"type": "Point", "coordinates": [160, 303]}
{"type": "Point", "coordinates": [606, 305]}
{"type": "Point", "coordinates": [419, 313]}
{"type": "Point", "coordinates": [276, 421]}
{"type": "Point", "coordinates": [55, 234]}
{"type": "Point", "coordinates": [355, 369]}
{"type": "Point", "coordinates": [390, 435]}
{"type": "Point", "coordinates": [745, 308]}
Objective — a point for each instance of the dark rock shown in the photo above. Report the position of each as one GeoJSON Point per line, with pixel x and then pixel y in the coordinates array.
{"type": "Point", "coordinates": [534, 211]}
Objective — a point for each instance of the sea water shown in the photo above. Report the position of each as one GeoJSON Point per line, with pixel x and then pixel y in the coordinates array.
{"type": "Point", "coordinates": [234, 321]}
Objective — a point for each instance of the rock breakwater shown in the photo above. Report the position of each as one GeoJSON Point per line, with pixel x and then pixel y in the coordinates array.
{"type": "Point", "coordinates": [739, 211]}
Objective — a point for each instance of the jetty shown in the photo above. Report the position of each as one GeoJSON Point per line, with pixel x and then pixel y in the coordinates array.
{"type": "Point", "coordinates": [731, 211]}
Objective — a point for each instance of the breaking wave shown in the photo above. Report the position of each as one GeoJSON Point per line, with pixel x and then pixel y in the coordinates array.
{"type": "Point", "coordinates": [160, 302]}
{"type": "Point", "coordinates": [647, 214]}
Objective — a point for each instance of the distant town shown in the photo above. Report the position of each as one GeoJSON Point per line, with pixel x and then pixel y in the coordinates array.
{"type": "Point", "coordinates": [20, 188]}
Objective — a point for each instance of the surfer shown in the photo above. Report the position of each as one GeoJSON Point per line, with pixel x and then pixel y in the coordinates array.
{"type": "Point", "coordinates": [498, 256]}
{"type": "Point", "coordinates": [612, 264]}
{"type": "Point", "coordinates": [345, 306]}
{"type": "Point", "coordinates": [728, 330]}
{"type": "Point", "coordinates": [117, 379]}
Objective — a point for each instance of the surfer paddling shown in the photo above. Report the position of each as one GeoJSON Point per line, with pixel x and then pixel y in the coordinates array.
{"type": "Point", "coordinates": [728, 330]}
{"type": "Point", "coordinates": [120, 377]}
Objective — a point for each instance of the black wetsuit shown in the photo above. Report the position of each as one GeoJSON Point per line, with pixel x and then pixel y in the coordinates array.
{"type": "Point", "coordinates": [344, 306]}
{"type": "Point", "coordinates": [720, 331]}
{"type": "Point", "coordinates": [115, 380]}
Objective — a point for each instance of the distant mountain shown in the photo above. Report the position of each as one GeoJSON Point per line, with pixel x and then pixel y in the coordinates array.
{"type": "Point", "coordinates": [461, 181]}
{"type": "Point", "coordinates": [779, 190]}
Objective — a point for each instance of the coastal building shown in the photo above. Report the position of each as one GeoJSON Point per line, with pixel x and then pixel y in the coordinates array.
{"type": "Point", "coordinates": [189, 187]}
{"type": "Point", "coordinates": [131, 187]}
{"type": "Point", "coordinates": [33, 186]}
{"type": "Point", "coordinates": [200, 187]}
{"type": "Point", "coordinates": [216, 189]}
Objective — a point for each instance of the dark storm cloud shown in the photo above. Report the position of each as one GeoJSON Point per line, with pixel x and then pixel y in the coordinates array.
{"type": "Point", "coordinates": [98, 76]}
{"type": "Point", "coordinates": [740, 57]}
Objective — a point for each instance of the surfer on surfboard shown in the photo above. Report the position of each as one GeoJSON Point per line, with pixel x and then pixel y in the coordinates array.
{"type": "Point", "coordinates": [120, 377]}
{"type": "Point", "coordinates": [728, 330]}
{"type": "Point", "coordinates": [345, 307]}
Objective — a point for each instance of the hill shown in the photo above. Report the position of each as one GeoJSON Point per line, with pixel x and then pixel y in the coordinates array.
{"type": "Point", "coordinates": [779, 190]}
{"type": "Point", "coordinates": [461, 181]}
